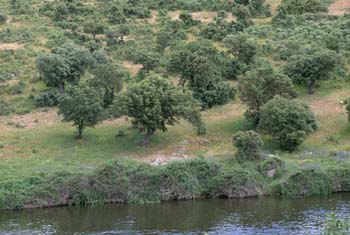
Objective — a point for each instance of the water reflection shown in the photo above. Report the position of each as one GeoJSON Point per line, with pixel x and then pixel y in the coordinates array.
{"type": "Point", "coordinates": [244, 216]}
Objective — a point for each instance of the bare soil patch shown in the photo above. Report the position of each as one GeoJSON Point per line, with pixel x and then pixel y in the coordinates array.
{"type": "Point", "coordinates": [31, 120]}
{"type": "Point", "coordinates": [133, 68]}
{"type": "Point", "coordinates": [340, 7]}
{"type": "Point", "coordinates": [203, 16]}
{"type": "Point", "coordinates": [154, 16]}
{"type": "Point", "coordinates": [274, 4]}
{"type": "Point", "coordinates": [10, 46]}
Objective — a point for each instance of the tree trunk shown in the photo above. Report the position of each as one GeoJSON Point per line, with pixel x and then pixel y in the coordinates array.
{"type": "Point", "coordinates": [80, 132]}
{"type": "Point", "coordinates": [311, 84]}
{"type": "Point", "coordinates": [61, 87]}
{"type": "Point", "coordinates": [148, 134]}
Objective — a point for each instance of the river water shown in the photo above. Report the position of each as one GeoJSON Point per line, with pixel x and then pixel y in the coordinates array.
{"type": "Point", "coordinates": [265, 216]}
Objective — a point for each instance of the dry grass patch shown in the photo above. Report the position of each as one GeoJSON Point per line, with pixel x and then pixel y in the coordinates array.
{"type": "Point", "coordinates": [227, 112]}
{"type": "Point", "coordinates": [132, 67]}
{"type": "Point", "coordinates": [154, 16]}
{"type": "Point", "coordinates": [340, 7]}
{"type": "Point", "coordinates": [31, 120]}
{"type": "Point", "coordinates": [10, 46]}
{"type": "Point", "coordinates": [203, 16]}
{"type": "Point", "coordinates": [274, 5]}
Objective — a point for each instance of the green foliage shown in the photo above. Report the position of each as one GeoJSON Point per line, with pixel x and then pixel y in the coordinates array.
{"type": "Point", "coordinates": [153, 103]}
{"type": "Point", "coordinates": [5, 108]}
{"type": "Point", "coordinates": [93, 26]}
{"type": "Point", "coordinates": [297, 7]}
{"type": "Point", "coordinates": [242, 47]}
{"type": "Point", "coordinates": [288, 121]}
{"type": "Point", "coordinates": [131, 181]}
{"type": "Point", "coordinates": [259, 86]}
{"type": "Point", "coordinates": [305, 182]}
{"type": "Point", "coordinates": [66, 64]}
{"type": "Point", "coordinates": [248, 145]}
{"type": "Point", "coordinates": [258, 8]}
{"type": "Point", "coordinates": [273, 164]}
{"type": "Point", "coordinates": [243, 17]}
{"type": "Point", "coordinates": [312, 67]}
{"type": "Point", "coordinates": [3, 18]}
{"type": "Point", "coordinates": [233, 181]}
{"type": "Point", "coordinates": [186, 17]}
{"type": "Point", "coordinates": [16, 89]}
{"type": "Point", "coordinates": [108, 79]}
{"type": "Point", "coordinates": [202, 69]}
{"type": "Point", "coordinates": [336, 226]}
{"type": "Point", "coordinates": [149, 60]}
{"type": "Point", "coordinates": [83, 106]}
{"type": "Point", "coordinates": [218, 29]}
{"type": "Point", "coordinates": [347, 107]}
{"type": "Point", "coordinates": [47, 98]}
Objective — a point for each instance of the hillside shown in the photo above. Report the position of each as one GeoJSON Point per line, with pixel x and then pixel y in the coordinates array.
{"type": "Point", "coordinates": [142, 38]}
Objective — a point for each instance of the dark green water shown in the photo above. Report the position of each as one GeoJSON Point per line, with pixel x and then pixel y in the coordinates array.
{"type": "Point", "coordinates": [268, 216]}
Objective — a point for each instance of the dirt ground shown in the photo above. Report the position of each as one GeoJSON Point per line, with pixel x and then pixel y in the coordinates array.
{"type": "Point", "coordinates": [133, 68]}
{"type": "Point", "coordinates": [340, 7]}
{"type": "Point", "coordinates": [10, 46]}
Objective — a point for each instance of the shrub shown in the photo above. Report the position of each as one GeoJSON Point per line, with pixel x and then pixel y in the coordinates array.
{"type": "Point", "coordinates": [298, 7]}
{"type": "Point", "coordinates": [272, 166]}
{"type": "Point", "coordinates": [186, 17]}
{"type": "Point", "coordinates": [16, 89]}
{"type": "Point", "coordinates": [305, 182]}
{"type": "Point", "coordinates": [83, 106]}
{"type": "Point", "coordinates": [259, 86]}
{"type": "Point", "coordinates": [5, 108]}
{"type": "Point", "coordinates": [248, 145]}
{"type": "Point", "coordinates": [289, 121]}
{"type": "Point", "coordinates": [47, 98]}
{"type": "Point", "coordinates": [233, 181]}
{"type": "Point", "coordinates": [3, 18]}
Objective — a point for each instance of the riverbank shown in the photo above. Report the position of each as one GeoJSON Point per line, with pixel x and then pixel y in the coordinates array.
{"type": "Point", "coordinates": [130, 181]}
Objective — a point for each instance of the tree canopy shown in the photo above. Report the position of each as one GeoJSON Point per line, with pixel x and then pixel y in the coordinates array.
{"type": "Point", "coordinates": [202, 68]}
{"type": "Point", "coordinates": [108, 79]}
{"type": "Point", "coordinates": [154, 103]}
{"type": "Point", "coordinates": [66, 64]}
{"type": "Point", "coordinates": [312, 67]}
{"type": "Point", "coordinates": [288, 121]}
{"type": "Point", "coordinates": [260, 85]}
{"type": "Point", "coordinates": [83, 106]}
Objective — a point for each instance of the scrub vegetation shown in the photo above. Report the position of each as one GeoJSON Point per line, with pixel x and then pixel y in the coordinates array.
{"type": "Point", "coordinates": [172, 100]}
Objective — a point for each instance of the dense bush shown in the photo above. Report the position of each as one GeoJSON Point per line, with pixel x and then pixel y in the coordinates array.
{"type": "Point", "coordinates": [272, 166]}
{"type": "Point", "coordinates": [83, 106]}
{"type": "Point", "coordinates": [130, 181]}
{"type": "Point", "coordinates": [305, 182]}
{"type": "Point", "coordinates": [5, 108]}
{"type": "Point", "coordinates": [312, 67]}
{"type": "Point", "coordinates": [47, 98]}
{"type": "Point", "coordinates": [288, 121]}
{"type": "Point", "coordinates": [260, 85]}
{"type": "Point", "coordinates": [154, 103]}
{"type": "Point", "coordinates": [66, 64]}
{"type": "Point", "coordinates": [248, 146]}
{"type": "Point", "coordinates": [258, 8]}
{"type": "Point", "coordinates": [202, 69]}
{"type": "Point", "coordinates": [3, 18]}
{"type": "Point", "coordinates": [297, 7]}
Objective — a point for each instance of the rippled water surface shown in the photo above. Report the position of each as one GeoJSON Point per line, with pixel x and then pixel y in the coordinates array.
{"type": "Point", "coordinates": [262, 216]}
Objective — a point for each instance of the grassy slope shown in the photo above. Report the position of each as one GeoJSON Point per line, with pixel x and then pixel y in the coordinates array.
{"type": "Point", "coordinates": [52, 147]}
